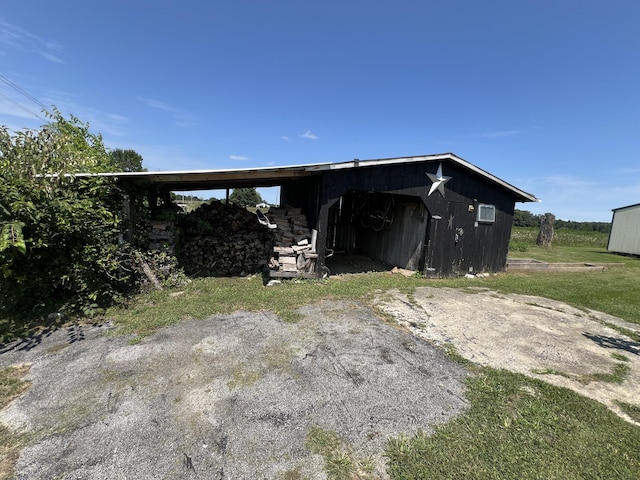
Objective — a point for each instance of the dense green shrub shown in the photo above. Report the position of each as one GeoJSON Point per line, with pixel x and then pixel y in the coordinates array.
{"type": "Point", "coordinates": [59, 234]}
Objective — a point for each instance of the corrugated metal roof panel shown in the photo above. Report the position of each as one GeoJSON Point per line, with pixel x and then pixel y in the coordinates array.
{"type": "Point", "coordinates": [271, 176]}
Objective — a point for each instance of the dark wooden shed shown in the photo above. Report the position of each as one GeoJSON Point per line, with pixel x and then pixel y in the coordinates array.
{"type": "Point", "coordinates": [449, 217]}
{"type": "Point", "coordinates": [437, 214]}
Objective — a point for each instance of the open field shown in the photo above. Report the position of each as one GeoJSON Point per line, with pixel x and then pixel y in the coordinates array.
{"type": "Point", "coordinates": [611, 291]}
{"type": "Point", "coordinates": [525, 237]}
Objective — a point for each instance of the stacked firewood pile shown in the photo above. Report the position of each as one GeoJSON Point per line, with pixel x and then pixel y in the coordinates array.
{"type": "Point", "coordinates": [293, 253]}
{"type": "Point", "coordinates": [162, 235]}
{"type": "Point", "coordinates": [292, 225]}
{"type": "Point", "coordinates": [219, 240]}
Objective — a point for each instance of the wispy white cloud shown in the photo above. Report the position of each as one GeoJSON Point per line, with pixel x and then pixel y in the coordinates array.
{"type": "Point", "coordinates": [501, 133]}
{"type": "Point", "coordinates": [163, 157]}
{"type": "Point", "coordinates": [117, 118]}
{"type": "Point", "coordinates": [100, 121]}
{"type": "Point", "coordinates": [181, 119]}
{"type": "Point", "coordinates": [13, 105]}
{"type": "Point", "coordinates": [579, 198]}
{"type": "Point", "coordinates": [51, 57]}
{"type": "Point", "coordinates": [308, 135]}
{"type": "Point", "coordinates": [18, 110]}
{"type": "Point", "coordinates": [238, 157]}
{"type": "Point", "coordinates": [19, 40]}
{"type": "Point", "coordinates": [150, 102]}
{"type": "Point", "coordinates": [54, 46]}
{"type": "Point", "coordinates": [107, 123]}
{"type": "Point", "coordinates": [285, 138]}
{"type": "Point", "coordinates": [566, 181]}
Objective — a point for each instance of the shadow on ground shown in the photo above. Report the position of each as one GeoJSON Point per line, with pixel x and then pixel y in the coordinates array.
{"type": "Point", "coordinates": [341, 263]}
{"type": "Point", "coordinates": [617, 343]}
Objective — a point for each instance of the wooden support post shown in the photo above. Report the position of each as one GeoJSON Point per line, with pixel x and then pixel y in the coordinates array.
{"type": "Point", "coordinates": [321, 240]}
{"type": "Point", "coordinates": [129, 214]}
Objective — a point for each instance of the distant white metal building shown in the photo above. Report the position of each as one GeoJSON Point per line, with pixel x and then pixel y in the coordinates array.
{"type": "Point", "coordinates": [625, 230]}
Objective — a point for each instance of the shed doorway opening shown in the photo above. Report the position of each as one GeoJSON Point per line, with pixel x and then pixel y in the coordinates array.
{"type": "Point", "coordinates": [386, 228]}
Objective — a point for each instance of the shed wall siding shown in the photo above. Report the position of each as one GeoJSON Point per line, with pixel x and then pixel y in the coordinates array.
{"type": "Point", "coordinates": [401, 245]}
{"type": "Point", "coordinates": [480, 247]}
{"type": "Point", "coordinates": [625, 231]}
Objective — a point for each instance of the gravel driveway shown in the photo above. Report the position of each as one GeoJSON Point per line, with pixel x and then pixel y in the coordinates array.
{"type": "Point", "coordinates": [231, 396]}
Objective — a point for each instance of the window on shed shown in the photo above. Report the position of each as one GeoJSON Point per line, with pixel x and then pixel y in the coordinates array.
{"type": "Point", "coordinates": [486, 213]}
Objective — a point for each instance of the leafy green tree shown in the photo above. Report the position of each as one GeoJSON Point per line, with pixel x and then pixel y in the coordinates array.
{"type": "Point", "coordinates": [59, 233]}
{"type": "Point", "coordinates": [524, 218]}
{"type": "Point", "coordinates": [584, 226]}
{"type": "Point", "coordinates": [245, 197]}
{"type": "Point", "coordinates": [186, 198]}
{"type": "Point", "coordinates": [127, 160]}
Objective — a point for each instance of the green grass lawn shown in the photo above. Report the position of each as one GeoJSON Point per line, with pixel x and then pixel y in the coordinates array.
{"type": "Point", "coordinates": [516, 427]}
{"type": "Point", "coordinates": [613, 291]}
{"type": "Point", "coordinates": [209, 296]}
{"type": "Point", "coordinates": [521, 428]}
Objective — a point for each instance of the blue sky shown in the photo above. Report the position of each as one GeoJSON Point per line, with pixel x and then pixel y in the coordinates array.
{"type": "Point", "coordinates": [543, 94]}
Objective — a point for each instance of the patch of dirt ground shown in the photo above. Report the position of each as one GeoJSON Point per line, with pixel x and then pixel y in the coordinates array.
{"type": "Point", "coordinates": [542, 338]}
{"type": "Point", "coordinates": [233, 396]}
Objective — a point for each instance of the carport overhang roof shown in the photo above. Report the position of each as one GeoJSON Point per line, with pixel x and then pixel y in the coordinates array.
{"type": "Point", "coordinates": [273, 176]}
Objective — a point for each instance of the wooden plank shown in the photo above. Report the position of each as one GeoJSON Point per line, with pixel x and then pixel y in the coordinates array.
{"type": "Point", "coordinates": [280, 274]}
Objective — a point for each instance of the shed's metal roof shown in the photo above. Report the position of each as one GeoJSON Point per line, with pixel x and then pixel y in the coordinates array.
{"type": "Point", "coordinates": [635, 205]}
{"type": "Point", "coordinates": [273, 176]}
